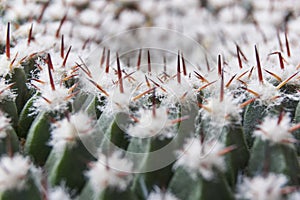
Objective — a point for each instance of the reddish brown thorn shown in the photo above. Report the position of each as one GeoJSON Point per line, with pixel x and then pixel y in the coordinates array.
{"type": "Point", "coordinates": [130, 78]}
{"type": "Point", "coordinates": [138, 64]}
{"type": "Point", "coordinates": [250, 72]}
{"type": "Point", "coordinates": [281, 115]}
{"type": "Point", "coordinates": [43, 11]}
{"type": "Point", "coordinates": [99, 87]}
{"type": "Point", "coordinates": [157, 85]}
{"type": "Point", "coordinates": [60, 25]}
{"type": "Point", "coordinates": [62, 47]}
{"type": "Point", "coordinates": [286, 81]}
{"type": "Point", "coordinates": [30, 35]}
{"type": "Point", "coordinates": [165, 64]}
{"type": "Point", "coordinates": [71, 95]}
{"type": "Point", "coordinates": [47, 100]}
{"type": "Point", "coordinates": [8, 41]}
{"type": "Point", "coordinates": [134, 118]}
{"type": "Point", "coordinates": [147, 82]}
{"type": "Point", "coordinates": [230, 81]}
{"type": "Point", "coordinates": [274, 75]}
{"type": "Point", "coordinates": [207, 63]}
{"type": "Point", "coordinates": [153, 103]}
{"type": "Point", "coordinates": [178, 68]}
{"type": "Point", "coordinates": [204, 107]}
{"type": "Point", "coordinates": [86, 67]}
{"type": "Point", "coordinates": [243, 74]}
{"type": "Point", "coordinates": [251, 91]}
{"type": "Point", "coordinates": [178, 120]}
{"type": "Point", "coordinates": [85, 43]}
{"type": "Point", "coordinates": [222, 87]}
{"type": "Point", "coordinates": [102, 58]}
{"type": "Point", "coordinates": [279, 40]}
{"type": "Point", "coordinates": [142, 94]}
{"type": "Point", "coordinates": [49, 62]}
{"type": "Point", "coordinates": [149, 62]}
{"type": "Point", "coordinates": [12, 62]}
{"type": "Point", "coordinates": [107, 61]}
{"type": "Point", "coordinates": [239, 57]}
{"type": "Point", "coordinates": [199, 76]}
{"type": "Point", "coordinates": [247, 102]}
{"type": "Point", "coordinates": [205, 86]}
{"type": "Point", "coordinates": [219, 65]}
{"type": "Point", "coordinates": [287, 44]}
{"type": "Point", "coordinates": [183, 64]}
{"type": "Point", "coordinates": [119, 75]}
{"type": "Point", "coordinates": [50, 68]}
{"type": "Point", "coordinates": [66, 57]}
{"type": "Point", "coordinates": [289, 189]}
{"type": "Point", "coordinates": [38, 80]}
{"type": "Point", "coordinates": [242, 54]}
{"type": "Point", "coordinates": [259, 71]}
{"type": "Point", "coordinates": [227, 150]}
{"type": "Point", "coordinates": [281, 59]}
{"type": "Point", "coordinates": [294, 128]}
{"type": "Point", "coordinates": [7, 87]}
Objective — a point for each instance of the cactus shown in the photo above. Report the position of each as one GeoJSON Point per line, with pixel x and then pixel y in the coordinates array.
{"type": "Point", "coordinates": [96, 102]}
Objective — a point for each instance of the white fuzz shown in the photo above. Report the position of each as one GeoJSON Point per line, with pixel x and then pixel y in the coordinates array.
{"type": "Point", "coordinates": [270, 130]}
{"type": "Point", "coordinates": [262, 188]}
{"type": "Point", "coordinates": [221, 113]}
{"type": "Point", "coordinates": [161, 195]}
{"type": "Point", "coordinates": [4, 125]}
{"type": "Point", "coordinates": [69, 129]}
{"type": "Point", "coordinates": [13, 171]}
{"type": "Point", "coordinates": [58, 193]}
{"type": "Point", "coordinates": [113, 171]}
{"type": "Point", "coordinates": [201, 159]}
{"type": "Point", "coordinates": [268, 94]}
{"type": "Point", "coordinates": [51, 100]}
{"type": "Point", "coordinates": [5, 92]}
{"type": "Point", "coordinates": [149, 125]}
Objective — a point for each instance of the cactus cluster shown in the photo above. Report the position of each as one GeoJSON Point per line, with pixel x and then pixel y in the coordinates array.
{"type": "Point", "coordinates": [110, 100]}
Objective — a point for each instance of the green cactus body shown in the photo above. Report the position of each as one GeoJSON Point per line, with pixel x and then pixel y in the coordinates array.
{"type": "Point", "coordinates": [29, 191]}
{"type": "Point", "coordinates": [9, 144]}
{"type": "Point", "coordinates": [67, 167]}
{"type": "Point", "coordinates": [106, 194]}
{"type": "Point", "coordinates": [277, 158]}
{"type": "Point", "coordinates": [9, 107]}
{"type": "Point", "coordinates": [199, 188]}
{"type": "Point", "coordinates": [36, 144]}
{"type": "Point", "coordinates": [297, 132]}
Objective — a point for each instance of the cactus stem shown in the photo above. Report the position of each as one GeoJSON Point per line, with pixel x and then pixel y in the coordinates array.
{"type": "Point", "coordinates": [199, 76]}
{"type": "Point", "coordinates": [205, 86]}
{"type": "Point", "coordinates": [287, 44]}
{"type": "Point", "coordinates": [230, 81]}
{"type": "Point", "coordinates": [274, 75]}
{"type": "Point", "coordinates": [107, 61]}
{"type": "Point", "coordinates": [8, 41]}
{"type": "Point", "coordinates": [102, 59]}
{"type": "Point", "coordinates": [62, 21]}
{"type": "Point", "coordinates": [66, 57]}
{"type": "Point", "coordinates": [138, 64]}
{"type": "Point", "coordinates": [286, 81]}
{"type": "Point", "coordinates": [50, 67]}
{"type": "Point", "coordinates": [99, 87]}
{"type": "Point", "coordinates": [247, 102]}
{"type": "Point", "coordinates": [183, 64]}
{"type": "Point", "coordinates": [30, 35]}
{"type": "Point", "coordinates": [149, 62]}
{"type": "Point", "coordinates": [120, 80]}
{"type": "Point", "coordinates": [259, 71]}
{"type": "Point", "coordinates": [62, 47]}
{"type": "Point", "coordinates": [227, 150]}
{"type": "Point", "coordinates": [178, 68]}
